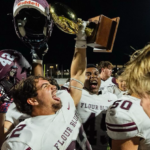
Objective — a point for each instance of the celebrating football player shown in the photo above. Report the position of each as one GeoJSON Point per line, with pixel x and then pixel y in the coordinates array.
{"type": "Point", "coordinates": [127, 123]}
{"type": "Point", "coordinates": [26, 15]}
{"type": "Point", "coordinates": [92, 109]}
{"type": "Point", "coordinates": [14, 68]}
{"type": "Point", "coordinates": [105, 69]}
{"type": "Point", "coordinates": [117, 90]}
{"type": "Point", "coordinates": [54, 117]}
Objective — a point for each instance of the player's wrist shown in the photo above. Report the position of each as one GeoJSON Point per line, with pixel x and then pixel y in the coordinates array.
{"type": "Point", "coordinates": [36, 61]}
{"type": "Point", "coordinates": [81, 44]}
{"type": "Point", "coordinates": [36, 58]}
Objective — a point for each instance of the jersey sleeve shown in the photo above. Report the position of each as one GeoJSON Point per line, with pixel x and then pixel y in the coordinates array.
{"type": "Point", "coordinates": [65, 85]}
{"type": "Point", "coordinates": [120, 125]}
{"type": "Point", "coordinates": [15, 146]}
{"type": "Point", "coordinates": [9, 114]}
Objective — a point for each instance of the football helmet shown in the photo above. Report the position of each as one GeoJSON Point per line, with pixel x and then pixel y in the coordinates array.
{"type": "Point", "coordinates": [13, 68]}
{"type": "Point", "coordinates": [32, 22]}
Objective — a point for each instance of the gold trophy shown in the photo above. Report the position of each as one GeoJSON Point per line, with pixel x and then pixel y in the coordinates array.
{"type": "Point", "coordinates": [101, 32]}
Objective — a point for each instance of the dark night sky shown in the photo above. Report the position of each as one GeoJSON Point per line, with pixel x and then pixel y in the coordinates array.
{"type": "Point", "coordinates": [134, 30]}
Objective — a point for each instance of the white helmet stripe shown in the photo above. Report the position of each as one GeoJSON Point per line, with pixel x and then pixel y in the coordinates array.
{"type": "Point", "coordinates": [28, 4]}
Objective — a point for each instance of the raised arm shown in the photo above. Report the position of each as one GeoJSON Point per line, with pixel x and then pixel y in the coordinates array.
{"type": "Point", "coordinates": [37, 69]}
{"type": "Point", "coordinates": [78, 65]}
{"type": "Point", "coordinates": [37, 60]}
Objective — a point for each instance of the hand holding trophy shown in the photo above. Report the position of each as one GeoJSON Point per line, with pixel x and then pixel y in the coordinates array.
{"type": "Point", "coordinates": [81, 35]}
{"type": "Point", "coordinates": [100, 35]}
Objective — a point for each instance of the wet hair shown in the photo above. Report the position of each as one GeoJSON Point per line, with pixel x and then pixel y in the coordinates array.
{"type": "Point", "coordinates": [137, 72]}
{"type": "Point", "coordinates": [26, 89]}
{"type": "Point", "coordinates": [53, 82]}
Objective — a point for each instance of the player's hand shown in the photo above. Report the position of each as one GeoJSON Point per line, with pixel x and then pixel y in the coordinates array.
{"type": "Point", "coordinates": [38, 54]}
{"type": "Point", "coordinates": [5, 100]}
{"type": "Point", "coordinates": [4, 107]}
{"type": "Point", "coordinates": [81, 35]}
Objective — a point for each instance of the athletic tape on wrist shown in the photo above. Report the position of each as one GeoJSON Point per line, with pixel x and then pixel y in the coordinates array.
{"type": "Point", "coordinates": [81, 44]}
{"type": "Point", "coordinates": [76, 88]}
{"type": "Point", "coordinates": [78, 82]}
{"type": "Point", "coordinates": [35, 61]}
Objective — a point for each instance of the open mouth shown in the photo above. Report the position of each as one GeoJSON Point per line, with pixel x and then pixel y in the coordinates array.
{"type": "Point", "coordinates": [93, 84]}
{"type": "Point", "coordinates": [56, 98]}
{"type": "Point", "coordinates": [124, 88]}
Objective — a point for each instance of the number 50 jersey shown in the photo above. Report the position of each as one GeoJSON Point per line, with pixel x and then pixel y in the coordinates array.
{"type": "Point", "coordinates": [126, 119]}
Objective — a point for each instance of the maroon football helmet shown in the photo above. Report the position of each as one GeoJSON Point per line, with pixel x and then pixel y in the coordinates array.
{"type": "Point", "coordinates": [13, 68]}
{"type": "Point", "coordinates": [32, 22]}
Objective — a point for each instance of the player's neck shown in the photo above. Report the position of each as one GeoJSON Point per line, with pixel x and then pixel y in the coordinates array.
{"type": "Point", "coordinates": [103, 77]}
{"type": "Point", "coordinates": [90, 91]}
{"type": "Point", "coordinates": [135, 95]}
{"type": "Point", "coordinates": [36, 111]}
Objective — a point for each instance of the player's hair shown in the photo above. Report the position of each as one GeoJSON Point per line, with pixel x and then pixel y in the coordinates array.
{"type": "Point", "coordinates": [104, 64]}
{"type": "Point", "coordinates": [26, 89]}
{"type": "Point", "coordinates": [91, 66]}
{"type": "Point", "coordinates": [137, 72]}
{"type": "Point", "coordinates": [53, 82]}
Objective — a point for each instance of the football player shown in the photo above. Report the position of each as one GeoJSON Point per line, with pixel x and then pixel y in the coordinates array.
{"type": "Point", "coordinates": [127, 123]}
{"type": "Point", "coordinates": [54, 117]}
{"type": "Point", "coordinates": [14, 67]}
{"type": "Point", "coordinates": [118, 89]}
{"type": "Point", "coordinates": [27, 14]}
{"type": "Point", "coordinates": [92, 109]}
{"type": "Point", "coordinates": [13, 116]}
{"type": "Point", "coordinates": [105, 69]}
{"type": "Point", "coordinates": [141, 78]}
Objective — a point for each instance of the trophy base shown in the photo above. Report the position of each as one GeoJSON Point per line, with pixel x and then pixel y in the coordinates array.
{"type": "Point", "coordinates": [103, 36]}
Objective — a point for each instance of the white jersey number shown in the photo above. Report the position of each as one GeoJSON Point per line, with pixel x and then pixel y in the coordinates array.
{"type": "Point", "coordinates": [7, 59]}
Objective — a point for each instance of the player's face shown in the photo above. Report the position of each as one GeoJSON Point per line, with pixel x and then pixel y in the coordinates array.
{"type": "Point", "coordinates": [47, 95]}
{"type": "Point", "coordinates": [107, 71]}
{"type": "Point", "coordinates": [145, 103]}
{"type": "Point", "coordinates": [121, 84]}
{"type": "Point", "coordinates": [92, 80]}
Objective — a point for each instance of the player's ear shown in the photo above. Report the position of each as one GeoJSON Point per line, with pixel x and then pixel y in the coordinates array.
{"type": "Point", "coordinates": [32, 101]}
